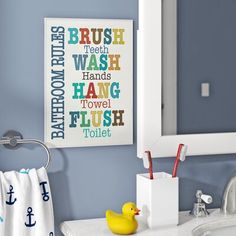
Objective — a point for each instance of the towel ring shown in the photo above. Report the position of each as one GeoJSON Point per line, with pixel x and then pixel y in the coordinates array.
{"type": "Point", "coordinates": [12, 139]}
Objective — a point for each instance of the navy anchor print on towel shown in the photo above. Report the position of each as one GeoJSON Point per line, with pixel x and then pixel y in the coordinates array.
{"type": "Point", "coordinates": [45, 194]}
{"type": "Point", "coordinates": [11, 193]}
{"type": "Point", "coordinates": [29, 216]}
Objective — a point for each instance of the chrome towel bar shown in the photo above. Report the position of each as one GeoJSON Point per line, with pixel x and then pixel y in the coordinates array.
{"type": "Point", "coordinates": [11, 140]}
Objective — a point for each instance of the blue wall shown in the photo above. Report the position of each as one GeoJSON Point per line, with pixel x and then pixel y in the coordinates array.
{"type": "Point", "coordinates": [84, 181]}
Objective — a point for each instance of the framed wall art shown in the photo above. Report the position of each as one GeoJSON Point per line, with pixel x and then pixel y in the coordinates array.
{"type": "Point", "coordinates": [88, 82]}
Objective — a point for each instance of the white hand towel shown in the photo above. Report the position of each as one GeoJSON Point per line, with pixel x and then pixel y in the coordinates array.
{"type": "Point", "coordinates": [26, 204]}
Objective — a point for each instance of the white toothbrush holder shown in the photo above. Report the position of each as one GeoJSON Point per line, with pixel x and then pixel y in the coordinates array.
{"type": "Point", "coordinates": [158, 199]}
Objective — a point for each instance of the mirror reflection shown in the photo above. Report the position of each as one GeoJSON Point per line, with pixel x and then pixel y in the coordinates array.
{"type": "Point", "coordinates": [200, 95]}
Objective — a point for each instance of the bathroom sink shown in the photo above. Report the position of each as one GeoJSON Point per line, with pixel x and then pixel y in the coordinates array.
{"type": "Point", "coordinates": [221, 227]}
{"type": "Point", "coordinates": [216, 224]}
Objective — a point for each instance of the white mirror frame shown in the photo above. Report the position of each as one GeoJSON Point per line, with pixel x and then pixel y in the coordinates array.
{"type": "Point", "coordinates": [149, 100]}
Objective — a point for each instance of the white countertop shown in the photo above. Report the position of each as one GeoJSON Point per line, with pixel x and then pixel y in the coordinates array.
{"type": "Point", "coordinates": [98, 227]}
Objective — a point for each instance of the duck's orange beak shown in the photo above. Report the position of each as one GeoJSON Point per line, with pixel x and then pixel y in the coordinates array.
{"type": "Point", "coordinates": [136, 212]}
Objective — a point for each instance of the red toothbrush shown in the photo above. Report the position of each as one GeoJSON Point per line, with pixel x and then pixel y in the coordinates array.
{"type": "Point", "coordinates": [180, 156]}
{"type": "Point", "coordinates": [150, 164]}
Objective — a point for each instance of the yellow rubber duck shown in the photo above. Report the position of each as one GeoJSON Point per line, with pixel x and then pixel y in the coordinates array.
{"type": "Point", "coordinates": [124, 223]}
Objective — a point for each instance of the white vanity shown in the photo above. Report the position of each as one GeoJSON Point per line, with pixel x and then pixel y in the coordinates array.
{"type": "Point", "coordinates": [187, 224]}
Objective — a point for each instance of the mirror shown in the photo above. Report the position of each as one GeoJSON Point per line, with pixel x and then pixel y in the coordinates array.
{"type": "Point", "coordinates": [203, 95]}
{"type": "Point", "coordinates": [186, 77]}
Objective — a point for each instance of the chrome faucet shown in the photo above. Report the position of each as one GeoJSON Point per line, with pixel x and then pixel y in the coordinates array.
{"type": "Point", "coordinates": [229, 198]}
{"type": "Point", "coordinates": [199, 207]}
